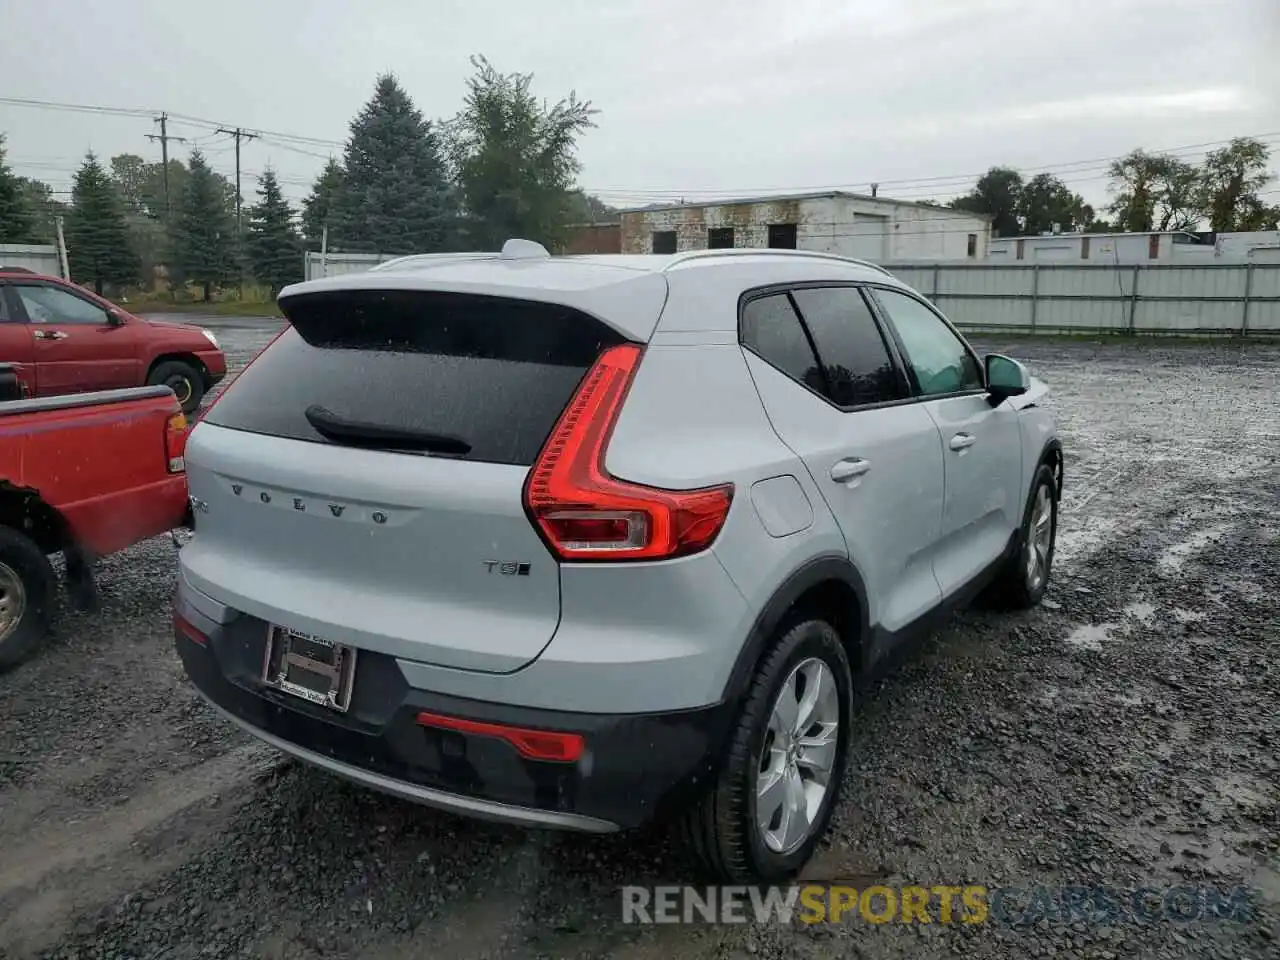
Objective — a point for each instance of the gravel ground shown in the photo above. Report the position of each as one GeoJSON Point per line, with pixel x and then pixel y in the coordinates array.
{"type": "Point", "coordinates": [1126, 734]}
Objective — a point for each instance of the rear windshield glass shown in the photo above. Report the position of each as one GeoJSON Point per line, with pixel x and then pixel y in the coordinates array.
{"type": "Point", "coordinates": [493, 372]}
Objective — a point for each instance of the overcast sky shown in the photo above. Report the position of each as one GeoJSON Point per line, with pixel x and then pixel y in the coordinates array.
{"type": "Point", "coordinates": [697, 98]}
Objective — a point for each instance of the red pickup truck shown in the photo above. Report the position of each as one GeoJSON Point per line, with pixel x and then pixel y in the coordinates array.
{"type": "Point", "coordinates": [63, 339]}
{"type": "Point", "coordinates": [84, 475]}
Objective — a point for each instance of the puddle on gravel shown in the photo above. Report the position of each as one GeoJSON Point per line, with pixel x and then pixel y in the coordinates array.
{"type": "Point", "coordinates": [1091, 636]}
{"type": "Point", "coordinates": [1175, 557]}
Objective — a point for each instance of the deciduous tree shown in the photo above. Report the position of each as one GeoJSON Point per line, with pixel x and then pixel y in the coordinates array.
{"type": "Point", "coordinates": [1232, 179]}
{"type": "Point", "coordinates": [997, 193]}
{"type": "Point", "coordinates": [515, 157]}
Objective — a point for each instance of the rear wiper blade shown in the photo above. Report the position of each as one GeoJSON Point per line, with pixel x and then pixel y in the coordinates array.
{"type": "Point", "coordinates": [355, 433]}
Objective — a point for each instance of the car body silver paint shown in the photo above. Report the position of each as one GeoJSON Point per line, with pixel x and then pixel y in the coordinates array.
{"type": "Point", "coordinates": [611, 638]}
{"type": "Point", "coordinates": [781, 505]}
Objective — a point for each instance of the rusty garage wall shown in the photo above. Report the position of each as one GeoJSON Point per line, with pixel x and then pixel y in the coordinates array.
{"type": "Point", "coordinates": [594, 238]}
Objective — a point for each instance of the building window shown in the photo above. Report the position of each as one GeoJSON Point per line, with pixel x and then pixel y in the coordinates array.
{"type": "Point", "coordinates": [782, 236]}
{"type": "Point", "coordinates": [1153, 247]}
{"type": "Point", "coordinates": [1084, 248]}
{"type": "Point", "coordinates": [664, 241]}
{"type": "Point", "coordinates": [1022, 248]}
{"type": "Point", "coordinates": [720, 238]}
{"type": "Point", "coordinates": [973, 245]}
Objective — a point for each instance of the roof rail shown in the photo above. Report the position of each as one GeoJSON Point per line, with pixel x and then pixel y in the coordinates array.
{"type": "Point", "coordinates": [433, 258]}
{"type": "Point", "coordinates": [772, 251]}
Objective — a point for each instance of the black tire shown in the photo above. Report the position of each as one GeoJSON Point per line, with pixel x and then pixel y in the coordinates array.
{"type": "Point", "coordinates": [183, 379]}
{"type": "Point", "coordinates": [721, 829]}
{"type": "Point", "coordinates": [27, 590]}
{"type": "Point", "coordinates": [1015, 588]}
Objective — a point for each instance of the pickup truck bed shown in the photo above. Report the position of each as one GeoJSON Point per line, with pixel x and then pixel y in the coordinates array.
{"type": "Point", "coordinates": [86, 475]}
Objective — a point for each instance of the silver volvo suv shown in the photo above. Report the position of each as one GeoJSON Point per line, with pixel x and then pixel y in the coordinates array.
{"type": "Point", "coordinates": [580, 542]}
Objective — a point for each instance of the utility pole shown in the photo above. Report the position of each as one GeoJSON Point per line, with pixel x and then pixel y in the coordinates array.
{"type": "Point", "coordinates": [164, 139]}
{"type": "Point", "coordinates": [239, 134]}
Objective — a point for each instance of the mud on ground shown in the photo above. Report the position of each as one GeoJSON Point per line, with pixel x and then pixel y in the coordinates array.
{"type": "Point", "coordinates": [1126, 734]}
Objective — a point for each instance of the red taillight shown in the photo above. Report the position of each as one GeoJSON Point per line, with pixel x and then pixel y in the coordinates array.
{"type": "Point", "coordinates": [584, 513]}
{"type": "Point", "coordinates": [188, 630]}
{"type": "Point", "coordinates": [534, 744]}
{"type": "Point", "coordinates": [175, 442]}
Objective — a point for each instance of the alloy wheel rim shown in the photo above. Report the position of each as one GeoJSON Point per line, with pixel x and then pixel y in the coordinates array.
{"type": "Point", "coordinates": [1039, 539]}
{"type": "Point", "coordinates": [181, 386]}
{"type": "Point", "coordinates": [13, 601]}
{"type": "Point", "coordinates": [798, 756]}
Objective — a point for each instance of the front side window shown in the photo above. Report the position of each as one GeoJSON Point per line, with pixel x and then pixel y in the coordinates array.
{"type": "Point", "coordinates": [937, 357]}
{"type": "Point", "coordinates": [855, 359]}
{"type": "Point", "coordinates": [45, 304]}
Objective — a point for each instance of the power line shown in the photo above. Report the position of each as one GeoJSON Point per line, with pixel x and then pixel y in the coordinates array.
{"type": "Point", "coordinates": [164, 139]}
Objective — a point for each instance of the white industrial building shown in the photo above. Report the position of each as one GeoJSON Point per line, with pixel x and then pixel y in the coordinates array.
{"type": "Point", "coordinates": [850, 224]}
{"type": "Point", "coordinates": [1167, 246]}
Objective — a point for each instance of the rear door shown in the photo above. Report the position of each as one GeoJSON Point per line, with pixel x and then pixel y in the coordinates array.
{"type": "Point", "coordinates": [15, 341]}
{"type": "Point", "coordinates": [417, 553]}
{"type": "Point", "coordinates": [74, 346]}
{"type": "Point", "coordinates": [982, 448]}
{"type": "Point", "coordinates": [836, 397]}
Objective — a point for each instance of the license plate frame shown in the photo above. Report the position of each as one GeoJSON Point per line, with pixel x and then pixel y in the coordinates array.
{"type": "Point", "coordinates": [309, 667]}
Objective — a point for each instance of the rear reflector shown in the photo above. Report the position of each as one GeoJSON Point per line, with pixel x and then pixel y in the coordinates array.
{"type": "Point", "coordinates": [533, 744]}
{"type": "Point", "coordinates": [584, 513]}
{"type": "Point", "coordinates": [188, 630]}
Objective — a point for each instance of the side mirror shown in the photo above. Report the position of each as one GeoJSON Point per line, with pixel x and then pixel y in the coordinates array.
{"type": "Point", "coordinates": [1006, 377]}
{"type": "Point", "coordinates": [114, 319]}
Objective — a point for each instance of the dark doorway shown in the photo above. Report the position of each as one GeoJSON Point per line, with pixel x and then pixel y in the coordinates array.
{"type": "Point", "coordinates": [782, 236]}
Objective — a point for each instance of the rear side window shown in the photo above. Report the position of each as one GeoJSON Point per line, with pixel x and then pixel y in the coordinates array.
{"type": "Point", "coordinates": [491, 371]}
{"type": "Point", "coordinates": [855, 358]}
{"type": "Point", "coordinates": [772, 330]}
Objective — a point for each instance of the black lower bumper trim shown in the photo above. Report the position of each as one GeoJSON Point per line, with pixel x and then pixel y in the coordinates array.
{"type": "Point", "coordinates": [635, 768]}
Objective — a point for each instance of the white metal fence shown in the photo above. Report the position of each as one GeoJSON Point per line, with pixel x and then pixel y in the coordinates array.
{"type": "Point", "coordinates": [1171, 299]}
{"type": "Point", "coordinates": [39, 257]}
{"type": "Point", "coordinates": [333, 264]}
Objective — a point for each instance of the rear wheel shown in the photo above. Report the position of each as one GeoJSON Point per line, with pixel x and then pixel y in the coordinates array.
{"type": "Point", "coordinates": [774, 795]}
{"type": "Point", "coordinates": [183, 379]}
{"type": "Point", "coordinates": [27, 585]}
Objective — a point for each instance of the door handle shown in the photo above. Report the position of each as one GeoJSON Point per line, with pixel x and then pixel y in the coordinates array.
{"type": "Point", "coordinates": [962, 441]}
{"type": "Point", "coordinates": [850, 469]}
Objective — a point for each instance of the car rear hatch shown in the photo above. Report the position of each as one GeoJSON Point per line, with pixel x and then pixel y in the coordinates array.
{"type": "Point", "coordinates": [362, 479]}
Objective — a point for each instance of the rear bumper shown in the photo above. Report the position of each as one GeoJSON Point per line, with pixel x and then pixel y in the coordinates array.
{"type": "Point", "coordinates": [635, 768]}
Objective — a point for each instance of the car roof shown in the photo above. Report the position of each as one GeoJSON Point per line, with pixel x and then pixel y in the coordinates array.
{"type": "Point", "coordinates": [626, 291]}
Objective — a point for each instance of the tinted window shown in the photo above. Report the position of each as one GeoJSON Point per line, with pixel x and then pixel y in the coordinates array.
{"type": "Point", "coordinates": [54, 305]}
{"type": "Point", "coordinates": [855, 359]}
{"type": "Point", "coordinates": [771, 328]}
{"type": "Point", "coordinates": [493, 372]}
{"type": "Point", "coordinates": [4, 304]}
{"type": "Point", "coordinates": [938, 358]}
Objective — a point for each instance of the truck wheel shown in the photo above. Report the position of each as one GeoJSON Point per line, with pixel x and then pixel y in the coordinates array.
{"type": "Point", "coordinates": [773, 797]}
{"type": "Point", "coordinates": [27, 589]}
{"type": "Point", "coordinates": [183, 379]}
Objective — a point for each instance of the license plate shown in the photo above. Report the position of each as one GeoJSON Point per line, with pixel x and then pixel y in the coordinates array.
{"type": "Point", "coordinates": [309, 667]}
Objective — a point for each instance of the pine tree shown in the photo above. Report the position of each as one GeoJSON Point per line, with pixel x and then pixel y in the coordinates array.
{"type": "Point", "coordinates": [204, 229]}
{"type": "Point", "coordinates": [98, 243]}
{"type": "Point", "coordinates": [318, 209]}
{"type": "Point", "coordinates": [17, 220]}
{"type": "Point", "coordinates": [396, 197]}
{"type": "Point", "coordinates": [274, 249]}
{"type": "Point", "coordinates": [515, 159]}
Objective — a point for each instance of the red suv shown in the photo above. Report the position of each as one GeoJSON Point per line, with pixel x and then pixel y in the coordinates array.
{"type": "Point", "coordinates": [60, 338]}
